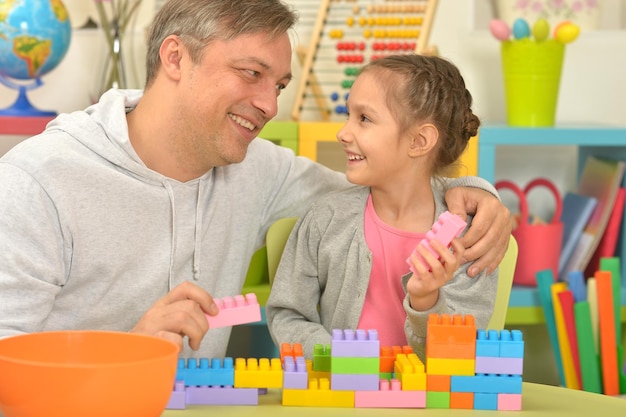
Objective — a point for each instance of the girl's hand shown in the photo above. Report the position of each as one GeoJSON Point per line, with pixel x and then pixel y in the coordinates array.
{"type": "Point", "coordinates": [423, 286]}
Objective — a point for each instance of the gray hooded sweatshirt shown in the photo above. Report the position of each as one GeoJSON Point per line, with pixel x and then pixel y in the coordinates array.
{"type": "Point", "coordinates": [90, 237]}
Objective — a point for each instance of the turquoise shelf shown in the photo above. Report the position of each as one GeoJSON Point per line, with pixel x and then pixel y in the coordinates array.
{"type": "Point", "coordinates": [599, 140]}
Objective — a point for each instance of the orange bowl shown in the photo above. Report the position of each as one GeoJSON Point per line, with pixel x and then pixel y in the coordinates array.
{"type": "Point", "coordinates": [86, 373]}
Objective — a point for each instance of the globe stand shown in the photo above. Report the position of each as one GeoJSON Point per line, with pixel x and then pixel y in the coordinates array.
{"type": "Point", "coordinates": [22, 106]}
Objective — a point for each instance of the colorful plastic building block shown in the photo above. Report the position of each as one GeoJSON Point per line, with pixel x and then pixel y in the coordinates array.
{"type": "Point", "coordinates": [388, 356]}
{"type": "Point", "coordinates": [216, 372]}
{"type": "Point", "coordinates": [390, 395]}
{"type": "Point", "coordinates": [235, 310]}
{"type": "Point", "coordinates": [446, 228]}
{"type": "Point", "coordinates": [321, 358]}
{"type": "Point", "coordinates": [318, 394]}
{"type": "Point", "coordinates": [291, 349]}
{"type": "Point", "coordinates": [178, 399]}
{"type": "Point", "coordinates": [354, 382]}
{"type": "Point", "coordinates": [295, 375]}
{"type": "Point", "coordinates": [355, 343]}
{"type": "Point", "coordinates": [409, 369]}
{"type": "Point", "coordinates": [222, 396]}
{"type": "Point", "coordinates": [258, 373]}
{"type": "Point", "coordinates": [450, 337]}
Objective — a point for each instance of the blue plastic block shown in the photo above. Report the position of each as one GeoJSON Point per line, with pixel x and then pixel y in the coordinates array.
{"type": "Point", "coordinates": [483, 401]}
{"type": "Point", "coordinates": [207, 373]}
{"type": "Point", "coordinates": [490, 384]}
{"type": "Point", "coordinates": [487, 343]}
{"type": "Point", "coordinates": [511, 344]}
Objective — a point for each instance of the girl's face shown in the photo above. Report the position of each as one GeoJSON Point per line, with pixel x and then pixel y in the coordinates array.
{"type": "Point", "coordinates": [376, 148]}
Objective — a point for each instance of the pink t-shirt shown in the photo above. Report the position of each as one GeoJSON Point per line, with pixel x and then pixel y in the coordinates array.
{"type": "Point", "coordinates": [390, 247]}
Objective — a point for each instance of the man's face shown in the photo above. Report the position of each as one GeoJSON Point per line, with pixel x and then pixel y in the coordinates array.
{"type": "Point", "coordinates": [229, 96]}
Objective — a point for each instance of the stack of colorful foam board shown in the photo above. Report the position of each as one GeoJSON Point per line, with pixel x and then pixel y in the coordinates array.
{"type": "Point", "coordinates": [583, 321]}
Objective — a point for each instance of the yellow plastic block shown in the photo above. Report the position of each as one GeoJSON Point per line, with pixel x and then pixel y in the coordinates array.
{"type": "Point", "coordinates": [319, 394]}
{"type": "Point", "coordinates": [315, 374]}
{"type": "Point", "coordinates": [258, 373]}
{"type": "Point", "coordinates": [440, 366]}
{"type": "Point", "coordinates": [409, 369]}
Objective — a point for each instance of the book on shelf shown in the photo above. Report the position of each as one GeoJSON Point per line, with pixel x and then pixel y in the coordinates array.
{"type": "Point", "coordinates": [608, 243]}
{"type": "Point", "coordinates": [577, 210]}
{"type": "Point", "coordinates": [601, 179]}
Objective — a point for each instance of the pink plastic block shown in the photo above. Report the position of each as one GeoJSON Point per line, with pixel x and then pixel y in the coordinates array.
{"type": "Point", "coordinates": [358, 343]}
{"type": "Point", "coordinates": [510, 402]}
{"type": "Point", "coordinates": [506, 366]}
{"type": "Point", "coordinates": [235, 310]}
{"type": "Point", "coordinates": [222, 396]}
{"type": "Point", "coordinates": [178, 399]}
{"type": "Point", "coordinates": [447, 227]}
{"type": "Point", "coordinates": [390, 395]}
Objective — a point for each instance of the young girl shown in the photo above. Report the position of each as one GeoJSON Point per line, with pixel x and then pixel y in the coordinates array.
{"type": "Point", "coordinates": [344, 265]}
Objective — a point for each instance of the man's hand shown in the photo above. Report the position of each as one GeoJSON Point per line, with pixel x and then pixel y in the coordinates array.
{"type": "Point", "coordinates": [487, 238]}
{"type": "Point", "coordinates": [181, 312]}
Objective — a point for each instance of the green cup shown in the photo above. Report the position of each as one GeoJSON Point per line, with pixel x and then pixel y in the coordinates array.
{"type": "Point", "coordinates": [532, 73]}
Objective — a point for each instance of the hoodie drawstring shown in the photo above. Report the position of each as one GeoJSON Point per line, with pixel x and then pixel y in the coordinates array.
{"type": "Point", "coordinates": [198, 236]}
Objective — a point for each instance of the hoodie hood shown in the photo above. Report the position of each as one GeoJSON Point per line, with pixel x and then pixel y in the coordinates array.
{"type": "Point", "coordinates": [100, 129]}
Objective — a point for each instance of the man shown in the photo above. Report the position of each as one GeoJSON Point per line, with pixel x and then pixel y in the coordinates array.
{"type": "Point", "coordinates": [133, 214]}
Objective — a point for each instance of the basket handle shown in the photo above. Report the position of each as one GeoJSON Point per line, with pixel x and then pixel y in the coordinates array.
{"type": "Point", "coordinates": [523, 204]}
{"type": "Point", "coordinates": [557, 197]}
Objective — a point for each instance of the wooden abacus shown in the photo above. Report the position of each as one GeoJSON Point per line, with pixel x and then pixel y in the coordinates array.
{"type": "Point", "coordinates": [346, 35]}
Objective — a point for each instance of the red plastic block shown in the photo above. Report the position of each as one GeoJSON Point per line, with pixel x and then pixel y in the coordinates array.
{"type": "Point", "coordinates": [447, 227]}
{"type": "Point", "coordinates": [390, 395]}
{"type": "Point", "coordinates": [235, 310]}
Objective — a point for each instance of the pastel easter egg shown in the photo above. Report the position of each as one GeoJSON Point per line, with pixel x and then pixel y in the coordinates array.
{"type": "Point", "coordinates": [567, 33]}
{"type": "Point", "coordinates": [541, 30]}
{"type": "Point", "coordinates": [559, 25]}
{"type": "Point", "coordinates": [521, 29]}
{"type": "Point", "coordinates": [499, 29]}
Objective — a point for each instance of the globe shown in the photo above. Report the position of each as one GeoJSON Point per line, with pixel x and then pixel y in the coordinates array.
{"type": "Point", "coordinates": [34, 37]}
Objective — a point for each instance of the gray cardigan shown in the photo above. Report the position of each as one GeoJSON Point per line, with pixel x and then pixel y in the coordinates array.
{"type": "Point", "coordinates": [324, 273]}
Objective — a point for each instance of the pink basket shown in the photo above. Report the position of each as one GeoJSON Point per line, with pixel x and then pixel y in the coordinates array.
{"type": "Point", "coordinates": [539, 244]}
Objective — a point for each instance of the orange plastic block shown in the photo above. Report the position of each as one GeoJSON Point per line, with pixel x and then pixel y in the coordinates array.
{"type": "Point", "coordinates": [437, 383]}
{"type": "Point", "coordinates": [452, 337]}
{"type": "Point", "coordinates": [258, 373]}
{"type": "Point", "coordinates": [291, 349]}
{"type": "Point", "coordinates": [409, 370]}
{"type": "Point", "coordinates": [462, 400]}
{"type": "Point", "coordinates": [319, 394]}
{"type": "Point", "coordinates": [388, 356]}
